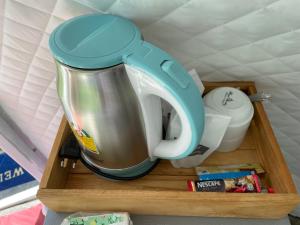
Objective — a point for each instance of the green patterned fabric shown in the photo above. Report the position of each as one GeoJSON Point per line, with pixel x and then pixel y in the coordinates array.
{"type": "Point", "coordinates": [106, 219]}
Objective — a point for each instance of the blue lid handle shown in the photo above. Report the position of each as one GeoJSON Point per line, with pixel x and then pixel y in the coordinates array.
{"type": "Point", "coordinates": [167, 79]}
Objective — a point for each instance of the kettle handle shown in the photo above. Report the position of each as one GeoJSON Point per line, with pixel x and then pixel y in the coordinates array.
{"type": "Point", "coordinates": [167, 79]}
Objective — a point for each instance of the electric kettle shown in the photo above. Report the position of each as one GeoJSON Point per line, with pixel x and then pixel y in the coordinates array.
{"type": "Point", "coordinates": [110, 83]}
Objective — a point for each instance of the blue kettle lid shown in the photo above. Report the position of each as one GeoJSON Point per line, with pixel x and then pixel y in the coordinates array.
{"type": "Point", "coordinates": [94, 41]}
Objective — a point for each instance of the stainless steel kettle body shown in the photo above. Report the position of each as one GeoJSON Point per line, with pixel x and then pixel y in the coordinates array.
{"type": "Point", "coordinates": [105, 116]}
{"type": "Point", "coordinates": [110, 83]}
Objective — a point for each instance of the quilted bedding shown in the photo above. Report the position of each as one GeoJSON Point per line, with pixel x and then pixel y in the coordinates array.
{"type": "Point", "coordinates": [224, 40]}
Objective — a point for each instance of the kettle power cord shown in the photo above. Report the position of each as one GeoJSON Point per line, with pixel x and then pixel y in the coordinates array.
{"type": "Point", "coordinates": [70, 150]}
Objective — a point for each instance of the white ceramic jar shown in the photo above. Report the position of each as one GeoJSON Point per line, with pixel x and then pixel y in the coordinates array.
{"type": "Point", "coordinates": [236, 104]}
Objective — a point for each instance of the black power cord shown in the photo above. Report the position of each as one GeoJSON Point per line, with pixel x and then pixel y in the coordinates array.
{"type": "Point", "coordinates": [71, 150]}
{"type": "Point", "coordinates": [114, 177]}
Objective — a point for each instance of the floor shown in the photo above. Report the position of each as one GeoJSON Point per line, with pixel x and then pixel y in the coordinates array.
{"type": "Point", "coordinates": [54, 218]}
{"type": "Point", "coordinates": [294, 220]}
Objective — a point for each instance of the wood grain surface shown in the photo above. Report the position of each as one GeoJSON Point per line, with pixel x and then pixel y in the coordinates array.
{"type": "Point", "coordinates": [54, 176]}
{"type": "Point", "coordinates": [169, 202]}
{"type": "Point", "coordinates": [163, 191]}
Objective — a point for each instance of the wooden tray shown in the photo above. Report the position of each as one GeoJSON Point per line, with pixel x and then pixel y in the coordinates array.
{"type": "Point", "coordinates": [164, 190]}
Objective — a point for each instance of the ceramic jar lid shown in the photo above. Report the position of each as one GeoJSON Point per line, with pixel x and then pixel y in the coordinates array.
{"type": "Point", "coordinates": [232, 102]}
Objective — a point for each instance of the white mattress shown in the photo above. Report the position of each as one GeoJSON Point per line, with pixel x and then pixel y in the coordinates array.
{"type": "Point", "coordinates": [224, 40]}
